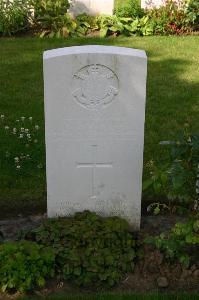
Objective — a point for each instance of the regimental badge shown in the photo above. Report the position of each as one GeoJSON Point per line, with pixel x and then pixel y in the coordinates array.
{"type": "Point", "coordinates": [95, 86]}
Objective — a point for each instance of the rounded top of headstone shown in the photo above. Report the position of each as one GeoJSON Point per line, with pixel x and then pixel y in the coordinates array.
{"type": "Point", "coordinates": [94, 49]}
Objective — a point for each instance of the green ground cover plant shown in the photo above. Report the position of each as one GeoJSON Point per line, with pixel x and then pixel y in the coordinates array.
{"type": "Point", "coordinates": [89, 249]}
{"type": "Point", "coordinates": [180, 242]}
{"type": "Point", "coordinates": [172, 100]}
{"type": "Point", "coordinates": [24, 265]}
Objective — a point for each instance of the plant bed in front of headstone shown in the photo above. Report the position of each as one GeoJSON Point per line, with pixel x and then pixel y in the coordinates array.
{"type": "Point", "coordinates": [90, 251]}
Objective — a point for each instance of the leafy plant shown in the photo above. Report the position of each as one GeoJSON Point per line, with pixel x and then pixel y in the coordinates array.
{"type": "Point", "coordinates": [24, 265]}
{"type": "Point", "coordinates": [129, 9]}
{"type": "Point", "coordinates": [169, 18]}
{"type": "Point", "coordinates": [179, 242]}
{"type": "Point", "coordinates": [15, 16]}
{"type": "Point", "coordinates": [51, 18]}
{"type": "Point", "coordinates": [114, 25]}
{"type": "Point", "coordinates": [85, 25]}
{"type": "Point", "coordinates": [183, 173]}
{"type": "Point", "coordinates": [192, 14]}
{"type": "Point", "coordinates": [180, 179]}
{"type": "Point", "coordinates": [89, 249]}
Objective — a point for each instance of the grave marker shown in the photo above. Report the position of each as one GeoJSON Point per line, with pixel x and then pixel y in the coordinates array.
{"type": "Point", "coordinates": [94, 111]}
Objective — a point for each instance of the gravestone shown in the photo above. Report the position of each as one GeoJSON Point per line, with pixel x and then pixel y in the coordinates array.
{"type": "Point", "coordinates": [149, 4]}
{"type": "Point", "coordinates": [91, 7]}
{"type": "Point", "coordinates": [94, 112]}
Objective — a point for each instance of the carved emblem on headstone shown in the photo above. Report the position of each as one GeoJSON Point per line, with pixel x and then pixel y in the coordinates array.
{"type": "Point", "coordinates": [95, 86]}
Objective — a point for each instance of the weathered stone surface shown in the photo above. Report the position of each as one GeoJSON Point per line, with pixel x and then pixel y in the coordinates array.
{"type": "Point", "coordinates": [94, 111]}
{"type": "Point", "coordinates": [91, 7]}
{"type": "Point", "coordinates": [152, 3]}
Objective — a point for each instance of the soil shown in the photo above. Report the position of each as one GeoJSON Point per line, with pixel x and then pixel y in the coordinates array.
{"type": "Point", "coordinates": [152, 273]}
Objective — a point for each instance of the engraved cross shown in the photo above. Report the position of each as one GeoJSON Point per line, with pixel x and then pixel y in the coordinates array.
{"type": "Point", "coordinates": [94, 165]}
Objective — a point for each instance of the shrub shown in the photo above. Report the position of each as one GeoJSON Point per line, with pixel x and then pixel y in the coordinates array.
{"type": "Point", "coordinates": [89, 249]}
{"type": "Point", "coordinates": [192, 14]}
{"type": "Point", "coordinates": [85, 24]}
{"type": "Point", "coordinates": [51, 18]}
{"type": "Point", "coordinates": [127, 26]}
{"type": "Point", "coordinates": [169, 19]}
{"type": "Point", "coordinates": [24, 265]}
{"type": "Point", "coordinates": [181, 243]}
{"type": "Point", "coordinates": [15, 16]}
{"type": "Point", "coordinates": [129, 9]}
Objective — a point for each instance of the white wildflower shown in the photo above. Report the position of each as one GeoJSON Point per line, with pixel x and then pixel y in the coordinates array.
{"type": "Point", "coordinates": [21, 136]}
{"type": "Point", "coordinates": [17, 121]}
{"type": "Point", "coordinates": [28, 136]}
{"type": "Point", "coordinates": [30, 119]}
{"type": "Point", "coordinates": [39, 166]}
{"type": "Point", "coordinates": [14, 131]}
{"type": "Point", "coordinates": [26, 130]}
{"type": "Point", "coordinates": [36, 127]}
{"type": "Point", "coordinates": [2, 117]}
{"type": "Point", "coordinates": [18, 167]}
{"type": "Point", "coordinates": [16, 159]}
{"type": "Point", "coordinates": [22, 129]}
{"type": "Point", "coordinates": [22, 118]}
{"type": "Point", "coordinates": [7, 127]}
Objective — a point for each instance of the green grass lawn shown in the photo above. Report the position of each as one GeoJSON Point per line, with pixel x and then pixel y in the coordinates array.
{"type": "Point", "coordinates": [172, 100]}
{"type": "Point", "coordinates": [123, 297]}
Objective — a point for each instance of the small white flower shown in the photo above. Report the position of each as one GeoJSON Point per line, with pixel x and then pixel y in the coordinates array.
{"type": "Point", "coordinates": [22, 118]}
{"type": "Point", "coordinates": [21, 136]}
{"type": "Point", "coordinates": [17, 121]}
{"type": "Point", "coordinates": [14, 130]}
{"type": "Point", "coordinates": [36, 127]}
{"type": "Point", "coordinates": [16, 159]}
{"type": "Point", "coordinates": [18, 167]}
{"type": "Point", "coordinates": [39, 166]}
{"type": "Point", "coordinates": [26, 130]}
{"type": "Point", "coordinates": [22, 129]}
{"type": "Point", "coordinates": [2, 117]}
{"type": "Point", "coordinates": [28, 136]}
{"type": "Point", "coordinates": [28, 156]}
{"type": "Point", "coordinates": [30, 119]}
{"type": "Point", "coordinates": [7, 127]}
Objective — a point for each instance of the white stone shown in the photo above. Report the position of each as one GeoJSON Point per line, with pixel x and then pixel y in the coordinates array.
{"type": "Point", "coordinates": [94, 112]}
{"type": "Point", "coordinates": [91, 7]}
{"type": "Point", "coordinates": [149, 4]}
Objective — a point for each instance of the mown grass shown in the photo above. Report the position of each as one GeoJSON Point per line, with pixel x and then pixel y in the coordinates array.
{"type": "Point", "coordinates": [122, 297]}
{"type": "Point", "coordinates": [172, 100]}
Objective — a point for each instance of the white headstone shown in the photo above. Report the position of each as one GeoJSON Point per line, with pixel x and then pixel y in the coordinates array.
{"type": "Point", "coordinates": [91, 7]}
{"type": "Point", "coordinates": [149, 4]}
{"type": "Point", "coordinates": [94, 112]}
